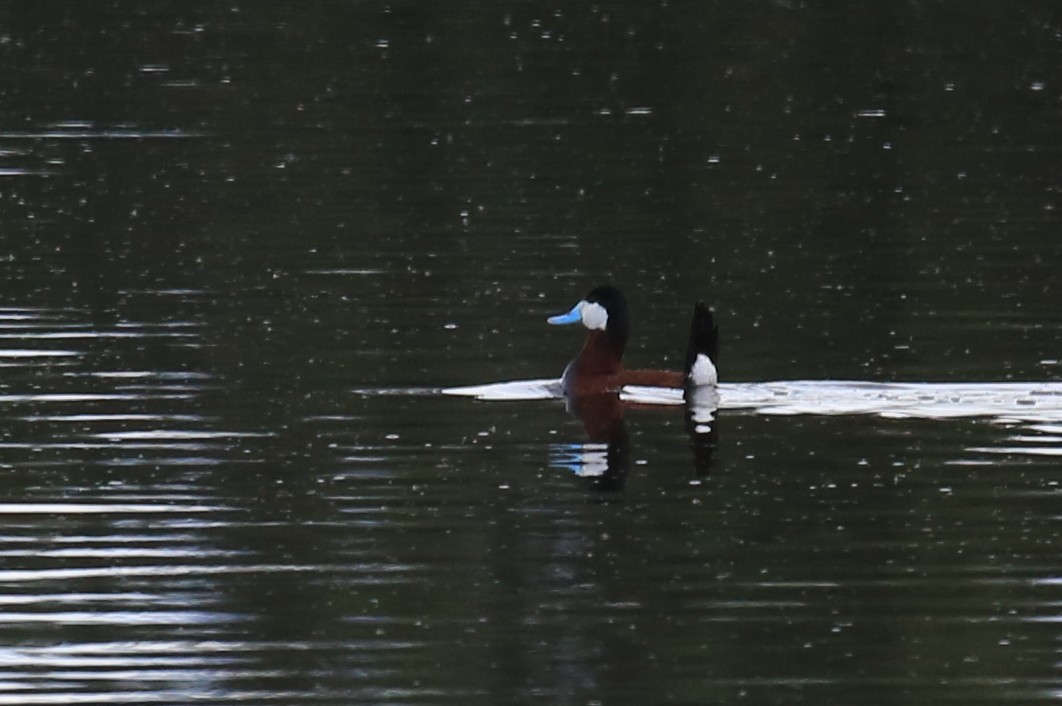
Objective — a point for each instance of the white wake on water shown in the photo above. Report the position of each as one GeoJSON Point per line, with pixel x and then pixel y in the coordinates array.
{"type": "Point", "coordinates": [1039, 402]}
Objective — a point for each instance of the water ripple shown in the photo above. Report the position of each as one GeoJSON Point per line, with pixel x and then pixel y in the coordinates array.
{"type": "Point", "coordinates": [98, 508]}
{"type": "Point", "coordinates": [37, 353]}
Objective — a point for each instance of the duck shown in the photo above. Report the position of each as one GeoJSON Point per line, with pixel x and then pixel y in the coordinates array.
{"type": "Point", "coordinates": [598, 368]}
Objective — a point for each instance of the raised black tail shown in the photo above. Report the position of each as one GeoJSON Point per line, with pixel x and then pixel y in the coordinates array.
{"type": "Point", "coordinates": [704, 338]}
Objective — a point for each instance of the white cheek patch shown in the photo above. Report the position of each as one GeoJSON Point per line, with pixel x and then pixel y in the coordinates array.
{"type": "Point", "coordinates": [703, 372]}
{"type": "Point", "coordinates": [594, 316]}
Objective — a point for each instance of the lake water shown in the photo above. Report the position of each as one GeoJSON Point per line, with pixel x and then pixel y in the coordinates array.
{"type": "Point", "coordinates": [245, 249]}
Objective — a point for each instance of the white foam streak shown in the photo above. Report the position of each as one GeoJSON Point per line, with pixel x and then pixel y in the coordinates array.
{"type": "Point", "coordinates": [516, 390]}
{"type": "Point", "coordinates": [1039, 402]}
{"type": "Point", "coordinates": [1011, 401]}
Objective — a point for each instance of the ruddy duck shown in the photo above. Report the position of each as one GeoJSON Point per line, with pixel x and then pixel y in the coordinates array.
{"type": "Point", "coordinates": [599, 366]}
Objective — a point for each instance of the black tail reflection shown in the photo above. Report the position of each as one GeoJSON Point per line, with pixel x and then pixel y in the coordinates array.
{"type": "Point", "coordinates": [702, 424]}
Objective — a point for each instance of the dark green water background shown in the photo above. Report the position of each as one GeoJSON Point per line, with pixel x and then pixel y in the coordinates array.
{"type": "Point", "coordinates": [241, 243]}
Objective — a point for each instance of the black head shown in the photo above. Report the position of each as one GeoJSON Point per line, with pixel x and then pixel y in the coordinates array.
{"type": "Point", "coordinates": [618, 326]}
{"type": "Point", "coordinates": [602, 310]}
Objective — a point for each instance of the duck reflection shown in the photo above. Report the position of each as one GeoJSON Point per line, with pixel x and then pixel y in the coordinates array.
{"type": "Point", "coordinates": [604, 458]}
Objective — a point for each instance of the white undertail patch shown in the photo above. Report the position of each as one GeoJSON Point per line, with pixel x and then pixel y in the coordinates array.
{"type": "Point", "coordinates": [703, 372]}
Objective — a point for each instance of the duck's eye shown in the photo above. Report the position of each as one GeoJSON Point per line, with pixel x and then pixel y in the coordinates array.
{"type": "Point", "coordinates": [594, 316]}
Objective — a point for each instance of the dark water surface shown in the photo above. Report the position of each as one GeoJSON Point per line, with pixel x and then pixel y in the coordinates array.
{"type": "Point", "coordinates": [243, 247]}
